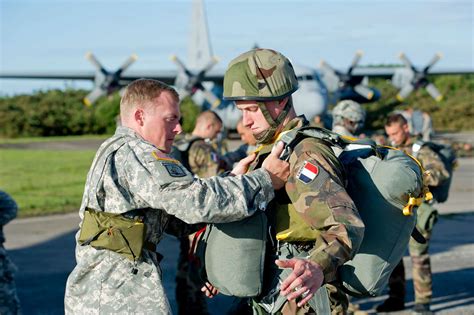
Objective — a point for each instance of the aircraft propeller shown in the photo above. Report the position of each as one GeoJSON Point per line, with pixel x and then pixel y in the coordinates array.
{"type": "Point", "coordinates": [105, 82]}
{"type": "Point", "coordinates": [188, 82]}
{"type": "Point", "coordinates": [347, 80]}
{"type": "Point", "coordinates": [412, 79]}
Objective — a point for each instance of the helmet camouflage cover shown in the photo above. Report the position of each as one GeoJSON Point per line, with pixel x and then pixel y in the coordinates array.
{"type": "Point", "coordinates": [350, 110]}
{"type": "Point", "coordinates": [259, 75]}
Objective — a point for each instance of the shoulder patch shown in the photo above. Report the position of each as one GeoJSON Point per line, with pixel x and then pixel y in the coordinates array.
{"type": "Point", "coordinates": [173, 169]}
{"type": "Point", "coordinates": [159, 156]}
{"type": "Point", "coordinates": [307, 172]}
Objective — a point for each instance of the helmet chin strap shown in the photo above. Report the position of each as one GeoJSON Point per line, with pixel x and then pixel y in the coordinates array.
{"type": "Point", "coordinates": [268, 135]}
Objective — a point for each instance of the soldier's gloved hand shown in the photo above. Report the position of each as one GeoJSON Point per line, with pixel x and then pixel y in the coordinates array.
{"type": "Point", "coordinates": [279, 170]}
{"type": "Point", "coordinates": [243, 165]}
{"type": "Point", "coordinates": [306, 278]}
{"type": "Point", "coordinates": [209, 290]}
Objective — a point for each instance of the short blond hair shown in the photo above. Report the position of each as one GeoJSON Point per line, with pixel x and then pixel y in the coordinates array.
{"type": "Point", "coordinates": [140, 93]}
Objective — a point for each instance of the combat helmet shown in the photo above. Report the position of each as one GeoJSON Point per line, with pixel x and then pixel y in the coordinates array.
{"type": "Point", "coordinates": [350, 110]}
{"type": "Point", "coordinates": [259, 75]}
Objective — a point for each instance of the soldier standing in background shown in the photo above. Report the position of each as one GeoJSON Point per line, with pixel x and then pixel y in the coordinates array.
{"type": "Point", "coordinates": [348, 118]}
{"type": "Point", "coordinates": [133, 180]}
{"type": "Point", "coordinates": [203, 161]}
{"type": "Point", "coordinates": [313, 203]}
{"type": "Point", "coordinates": [9, 302]}
{"type": "Point", "coordinates": [398, 132]}
{"type": "Point", "coordinates": [248, 146]}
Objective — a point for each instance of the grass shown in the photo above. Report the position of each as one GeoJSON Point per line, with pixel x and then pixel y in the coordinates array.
{"type": "Point", "coordinates": [44, 181]}
{"type": "Point", "coordinates": [51, 139]}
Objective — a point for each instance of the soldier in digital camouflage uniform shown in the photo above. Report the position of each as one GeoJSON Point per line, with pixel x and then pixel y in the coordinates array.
{"type": "Point", "coordinates": [9, 302]}
{"type": "Point", "coordinates": [313, 210]}
{"type": "Point", "coordinates": [348, 118]}
{"type": "Point", "coordinates": [204, 161]}
{"type": "Point", "coordinates": [397, 130]}
{"type": "Point", "coordinates": [132, 173]}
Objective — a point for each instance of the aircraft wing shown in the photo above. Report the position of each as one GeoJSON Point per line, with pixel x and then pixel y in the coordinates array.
{"type": "Point", "coordinates": [388, 72]}
{"type": "Point", "coordinates": [167, 76]}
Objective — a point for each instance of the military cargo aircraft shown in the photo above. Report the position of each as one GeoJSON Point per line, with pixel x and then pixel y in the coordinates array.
{"type": "Point", "coordinates": [199, 80]}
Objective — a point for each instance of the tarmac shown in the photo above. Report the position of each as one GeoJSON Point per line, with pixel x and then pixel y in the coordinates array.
{"type": "Point", "coordinates": [43, 250]}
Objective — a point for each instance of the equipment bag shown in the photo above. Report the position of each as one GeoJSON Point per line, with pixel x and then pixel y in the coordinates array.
{"type": "Point", "coordinates": [448, 156]}
{"type": "Point", "coordinates": [115, 232]}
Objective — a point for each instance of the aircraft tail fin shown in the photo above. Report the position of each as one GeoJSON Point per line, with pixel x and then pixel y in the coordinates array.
{"type": "Point", "coordinates": [199, 50]}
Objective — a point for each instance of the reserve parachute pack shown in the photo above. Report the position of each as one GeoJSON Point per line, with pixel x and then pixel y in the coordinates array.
{"type": "Point", "coordinates": [448, 156]}
{"type": "Point", "coordinates": [386, 186]}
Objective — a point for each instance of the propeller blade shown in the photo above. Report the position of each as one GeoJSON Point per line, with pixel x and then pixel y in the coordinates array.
{"type": "Point", "coordinates": [211, 98]}
{"type": "Point", "coordinates": [405, 91]}
{"type": "Point", "coordinates": [355, 61]}
{"type": "Point", "coordinates": [328, 68]}
{"type": "Point", "coordinates": [179, 63]}
{"type": "Point", "coordinates": [433, 91]}
{"type": "Point", "coordinates": [93, 96]}
{"type": "Point", "coordinates": [364, 91]}
{"type": "Point", "coordinates": [127, 63]}
{"type": "Point", "coordinates": [407, 62]}
{"type": "Point", "coordinates": [435, 59]}
{"type": "Point", "coordinates": [90, 56]}
{"type": "Point", "coordinates": [210, 64]}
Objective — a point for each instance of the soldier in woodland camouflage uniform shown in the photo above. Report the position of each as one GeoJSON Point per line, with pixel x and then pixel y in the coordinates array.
{"type": "Point", "coordinates": [9, 302]}
{"type": "Point", "coordinates": [314, 211]}
{"type": "Point", "coordinates": [248, 146]}
{"type": "Point", "coordinates": [348, 118]}
{"type": "Point", "coordinates": [397, 130]}
{"type": "Point", "coordinates": [132, 173]}
{"type": "Point", "coordinates": [203, 161]}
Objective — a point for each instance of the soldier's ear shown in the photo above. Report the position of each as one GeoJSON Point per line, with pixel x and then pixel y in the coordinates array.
{"type": "Point", "coordinates": [139, 116]}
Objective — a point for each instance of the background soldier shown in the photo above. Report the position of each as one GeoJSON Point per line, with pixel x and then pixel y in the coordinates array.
{"type": "Point", "coordinates": [248, 146]}
{"type": "Point", "coordinates": [348, 118]}
{"type": "Point", "coordinates": [132, 178]}
{"type": "Point", "coordinates": [203, 161]}
{"type": "Point", "coordinates": [398, 132]}
{"type": "Point", "coordinates": [9, 302]}
{"type": "Point", "coordinates": [261, 82]}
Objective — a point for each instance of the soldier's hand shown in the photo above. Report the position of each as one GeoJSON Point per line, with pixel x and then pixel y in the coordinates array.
{"type": "Point", "coordinates": [243, 165]}
{"type": "Point", "coordinates": [209, 290]}
{"type": "Point", "coordinates": [306, 278]}
{"type": "Point", "coordinates": [278, 169]}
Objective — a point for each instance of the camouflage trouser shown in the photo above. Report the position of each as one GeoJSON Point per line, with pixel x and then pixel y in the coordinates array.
{"type": "Point", "coordinates": [9, 302]}
{"type": "Point", "coordinates": [422, 278]}
{"type": "Point", "coordinates": [189, 297]}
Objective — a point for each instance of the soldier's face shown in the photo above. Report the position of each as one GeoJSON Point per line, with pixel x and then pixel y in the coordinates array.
{"type": "Point", "coordinates": [252, 116]}
{"type": "Point", "coordinates": [246, 134]}
{"type": "Point", "coordinates": [397, 133]}
{"type": "Point", "coordinates": [161, 122]}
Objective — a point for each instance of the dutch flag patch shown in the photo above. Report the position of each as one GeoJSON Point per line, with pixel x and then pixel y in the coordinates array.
{"type": "Point", "coordinates": [307, 172]}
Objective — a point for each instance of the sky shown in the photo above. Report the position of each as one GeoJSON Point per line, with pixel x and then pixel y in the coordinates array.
{"type": "Point", "coordinates": [46, 35]}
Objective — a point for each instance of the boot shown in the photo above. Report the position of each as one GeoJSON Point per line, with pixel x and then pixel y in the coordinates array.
{"type": "Point", "coordinates": [391, 305]}
{"type": "Point", "coordinates": [422, 309]}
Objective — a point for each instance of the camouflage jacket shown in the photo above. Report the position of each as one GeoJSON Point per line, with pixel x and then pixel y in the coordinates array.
{"type": "Point", "coordinates": [129, 173]}
{"type": "Point", "coordinates": [320, 201]}
{"type": "Point", "coordinates": [203, 159]}
{"type": "Point", "coordinates": [431, 162]}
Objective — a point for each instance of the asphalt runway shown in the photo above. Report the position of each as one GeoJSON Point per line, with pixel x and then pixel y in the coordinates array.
{"type": "Point", "coordinates": [43, 250]}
